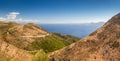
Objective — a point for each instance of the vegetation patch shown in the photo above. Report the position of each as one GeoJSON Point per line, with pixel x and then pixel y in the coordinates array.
{"type": "Point", "coordinates": [49, 43]}
{"type": "Point", "coordinates": [40, 56]}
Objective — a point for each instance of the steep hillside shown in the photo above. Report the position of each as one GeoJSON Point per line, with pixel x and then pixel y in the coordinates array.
{"type": "Point", "coordinates": [101, 45]}
{"type": "Point", "coordinates": [5, 57]}
{"type": "Point", "coordinates": [9, 51]}
{"type": "Point", "coordinates": [28, 42]}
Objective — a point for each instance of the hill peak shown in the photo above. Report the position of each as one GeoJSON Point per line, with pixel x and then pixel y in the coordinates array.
{"type": "Point", "coordinates": [118, 14]}
{"type": "Point", "coordinates": [98, 46]}
{"type": "Point", "coordinates": [115, 20]}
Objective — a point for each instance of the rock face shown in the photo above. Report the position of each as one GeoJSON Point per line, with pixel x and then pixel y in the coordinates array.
{"type": "Point", "coordinates": [101, 45]}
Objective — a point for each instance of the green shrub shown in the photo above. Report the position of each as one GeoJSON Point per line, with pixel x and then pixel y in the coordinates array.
{"type": "Point", "coordinates": [40, 56]}
{"type": "Point", "coordinates": [48, 44]}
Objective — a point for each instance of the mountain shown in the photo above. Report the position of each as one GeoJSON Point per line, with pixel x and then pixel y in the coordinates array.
{"type": "Point", "coordinates": [29, 42]}
{"type": "Point", "coordinates": [101, 45]}
{"type": "Point", "coordinates": [17, 34]}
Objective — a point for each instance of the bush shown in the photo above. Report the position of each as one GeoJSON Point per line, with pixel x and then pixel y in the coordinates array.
{"type": "Point", "coordinates": [40, 56]}
{"type": "Point", "coordinates": [115, 44]}
{"type": "Point", "coordinates": [48, 44]}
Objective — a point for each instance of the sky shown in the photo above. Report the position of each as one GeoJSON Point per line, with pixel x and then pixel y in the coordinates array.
{"type": "Point", "coordinates": [58, 11]}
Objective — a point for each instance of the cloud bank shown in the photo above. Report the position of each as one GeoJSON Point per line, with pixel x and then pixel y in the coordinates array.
{"type": "Point", "coordinates": [12, 17]}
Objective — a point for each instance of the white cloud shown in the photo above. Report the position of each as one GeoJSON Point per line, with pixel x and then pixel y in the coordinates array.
{"type": "Point", "coordinates": [12, 15]}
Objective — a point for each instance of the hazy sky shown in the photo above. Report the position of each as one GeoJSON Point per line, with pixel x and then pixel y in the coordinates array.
{"type": "Point", "coordinates": [61, 11]}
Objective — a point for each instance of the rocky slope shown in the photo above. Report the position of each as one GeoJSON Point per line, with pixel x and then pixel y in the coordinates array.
{"type": "Point", "coordinates": [101, 45]}
{"type": "Point", "coordinates": [28, 42]}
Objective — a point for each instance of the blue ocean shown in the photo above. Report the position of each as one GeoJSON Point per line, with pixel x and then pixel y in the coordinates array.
{"type": "Point", "coordinates": [79, 30]}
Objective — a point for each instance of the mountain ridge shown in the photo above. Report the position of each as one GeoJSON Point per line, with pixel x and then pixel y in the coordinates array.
{"type": "Point", "coordinates": [101, 45]}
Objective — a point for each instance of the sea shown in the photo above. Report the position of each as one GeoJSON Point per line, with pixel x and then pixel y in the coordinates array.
{"type": "Point", "coordinates": [79, 30]}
